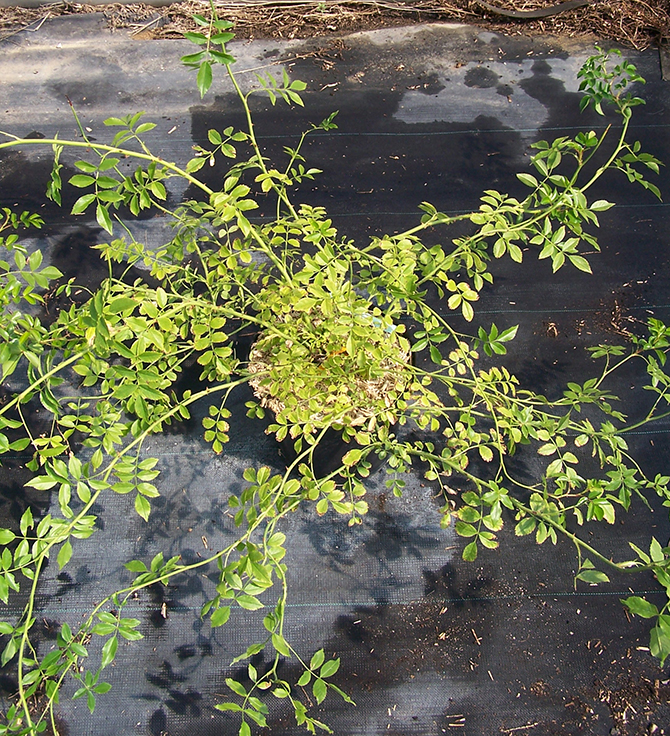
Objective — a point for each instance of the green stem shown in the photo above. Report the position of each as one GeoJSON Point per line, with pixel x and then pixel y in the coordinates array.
{"type": "Point", "coordinates": [643, 422]}
{"type": "Point", "coordinates": [580, 542]}
{"type": "Point", "coordinates": [45, 377]}
{"type": "Point", "coordinates": [16, 141]}
{"type": "Point", "coordinates": [439, 219]}
{"type": "Point", "coordinates": [620, 144]}
{"type": "Point", "coordinates": [28, 614]}
{"type": "Point", "coordinates": [280, 191]}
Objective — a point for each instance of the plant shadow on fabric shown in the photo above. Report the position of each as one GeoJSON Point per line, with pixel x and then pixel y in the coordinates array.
{"type": "Point", "coordinates": [336, 326]}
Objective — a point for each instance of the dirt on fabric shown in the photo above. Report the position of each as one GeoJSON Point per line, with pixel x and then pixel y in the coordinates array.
{"type": "Point", "coordinates": [634, 24]}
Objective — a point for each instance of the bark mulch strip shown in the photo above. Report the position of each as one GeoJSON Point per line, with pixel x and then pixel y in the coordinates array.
{"type": "Point", "coordinates": [632, 23]}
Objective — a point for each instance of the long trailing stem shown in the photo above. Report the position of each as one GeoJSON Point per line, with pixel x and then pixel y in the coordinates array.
{"type": "Point", "coordinates": [27, 624]}
{"type": "Point", "coordinates": [44, 378]}
{"type": "Point", "coordinates": [88, 145]}
{"type": "Point", "coordinates": [520, 506]}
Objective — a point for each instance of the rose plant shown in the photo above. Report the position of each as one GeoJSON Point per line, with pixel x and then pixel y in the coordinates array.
{"type": "Point", "coordinates": [336, 324]}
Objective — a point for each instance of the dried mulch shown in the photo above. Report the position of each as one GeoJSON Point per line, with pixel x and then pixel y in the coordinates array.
{"type": "Point", "coordinates": [632, 23]}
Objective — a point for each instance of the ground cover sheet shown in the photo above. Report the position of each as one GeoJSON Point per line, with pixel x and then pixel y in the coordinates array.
{"type": "Point", "coordinates": [429, 644]}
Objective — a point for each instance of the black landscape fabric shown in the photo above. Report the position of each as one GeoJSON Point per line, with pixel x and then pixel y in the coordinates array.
{"type": "Point", "coordinates": [429, 644]}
